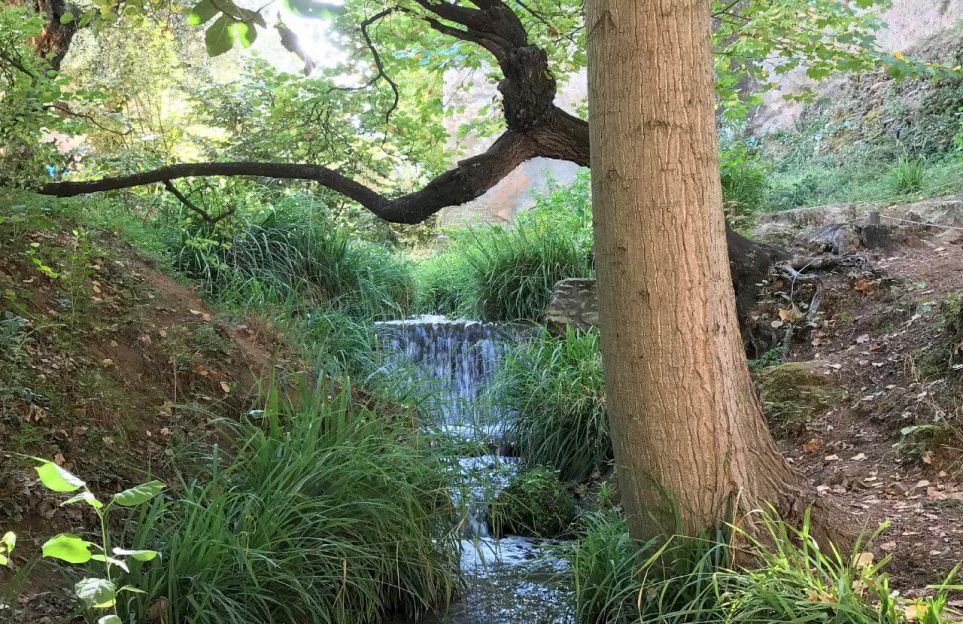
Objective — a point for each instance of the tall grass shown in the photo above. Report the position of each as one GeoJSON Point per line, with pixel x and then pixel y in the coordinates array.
{"type": "Point", "coordinates": [326, 512]}
{"type": "Point", "coordinates": [499, 273]}
{"type": "Point", "coordinates": [555, 391]}
{"type": "Point", "coordinates": [292, 257]}
{"type": "Point", "coordinates": [786, 578]}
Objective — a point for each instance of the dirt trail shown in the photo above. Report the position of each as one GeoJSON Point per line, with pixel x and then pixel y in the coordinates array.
{"type": "Point", "coordinates": [889, 449]}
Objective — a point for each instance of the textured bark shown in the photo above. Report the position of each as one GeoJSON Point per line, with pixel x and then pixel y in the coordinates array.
{"type": "Point", "coordinates": [685, 418]}
{"type": "Point", "coordinates": [54, 40]}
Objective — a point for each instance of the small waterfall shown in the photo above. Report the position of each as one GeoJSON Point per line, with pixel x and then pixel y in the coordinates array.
{"type": "Point", "coordinates": [457, 361]}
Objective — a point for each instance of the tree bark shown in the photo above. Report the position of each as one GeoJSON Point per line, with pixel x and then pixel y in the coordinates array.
{"type": "Point", "coordinates": [691, 443]}
{"type": "Point", "coordinates": [54, 40]}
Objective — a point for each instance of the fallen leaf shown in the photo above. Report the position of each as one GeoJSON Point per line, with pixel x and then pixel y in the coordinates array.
{"type": "Point", "coordinates": [811, 447]}
{"type": "Point", "coordinates": [864, 559]}
{"type": "Point", "coordinates": [928, 457]}
{"type": "Point", "coordinates": [888, 547]}
{"type": "Point", "coordinates": [832, 458]}
{"type": "Point", "coordinates": [859, 457]}
{"type": "Point", "coordinates": [862, 339]}
{"type": "Point", "coordinates": [225, 387]}
{"type": "Point", "coordinates": [107, 362]}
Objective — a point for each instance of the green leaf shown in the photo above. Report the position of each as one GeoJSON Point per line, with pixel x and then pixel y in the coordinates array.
{"type": "Point", "coordinates": [131, 589]}
{"type": "Point", "coordinates": [9, 540]}
{"type": "Point", "coordinates": [139, 494]}
{"type": "Point", "coordinates": [243, 33]}
{"type": "Point", "coordinates": [202, 12]}
{"type": "Point", "coordinates": [67, 547]}
{"type": "Point", "coordinates": [110, 561]}
{"type": "Point", "coordinates": [56, 478]}
{"type": "Point", "coordinates": [3, 559]}
{"type": "Point", "coordinates": [67, 18]}
{"type": "Point", "coordinates": [96, 593]}
{"type": "Point", "coordinates": [110, 619]}
{"type": "Point", "coordinates": [139, 555]}
{"type": "Point", "coordinates": [218, 39]}
{"type": "Point", "coordinates": [86, 497]}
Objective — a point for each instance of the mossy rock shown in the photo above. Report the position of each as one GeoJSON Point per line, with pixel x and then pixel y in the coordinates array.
{"type": "Point", "coordinates": [535, 504]}
{"type": "Point", "coordinates": [792, 394]}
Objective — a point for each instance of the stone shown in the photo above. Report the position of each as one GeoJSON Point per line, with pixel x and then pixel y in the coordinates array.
{"type": "Point", "coordinates": [574, 303]}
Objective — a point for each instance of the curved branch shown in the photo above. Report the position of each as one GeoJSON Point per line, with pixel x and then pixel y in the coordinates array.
{"type": "Point", "coordinates": [467, 181]}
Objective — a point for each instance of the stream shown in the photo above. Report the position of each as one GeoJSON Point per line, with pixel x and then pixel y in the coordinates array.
{"type": "Point", "coordinates": [511, 580]}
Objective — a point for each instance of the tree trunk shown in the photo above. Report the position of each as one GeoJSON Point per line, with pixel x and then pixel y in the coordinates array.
{"type": "Point", "coordinates": [689, 435]}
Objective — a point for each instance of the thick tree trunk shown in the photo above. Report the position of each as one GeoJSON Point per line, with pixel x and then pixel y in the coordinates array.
{"type": "Point", "coordinates": [684, 416]}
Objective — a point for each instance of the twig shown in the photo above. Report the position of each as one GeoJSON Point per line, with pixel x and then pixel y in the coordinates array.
{"type": "Point", "coordinates": [203, 214]}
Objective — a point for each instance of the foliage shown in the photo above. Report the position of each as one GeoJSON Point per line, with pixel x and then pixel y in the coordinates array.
{"type": "Point", "coordinates": [102, 595]}
{"type": "Point", "coordinates": [535, 503]}
{"type": "Point", "coordinates": [745, 187]}
{"type": "Point", "coordinates": [292, 255]}
{"type": "Point", "coordinates": [907, 175]}
{"type": "Point", "coordinates": [500, 273]}
{"type": "Point", "coordinates": [693, 580]}
{"type": "Point", "coordinates": [30, 92]}
{"type": "Point", "coordinates": [326, 511]}
{"type": "Point", "coordinates": [555, 391]}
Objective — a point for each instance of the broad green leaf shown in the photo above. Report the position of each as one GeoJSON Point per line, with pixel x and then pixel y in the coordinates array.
{"type": "Point", "coordinates": [218, 39]}
{"type": "Point", "coordinates": [139, 555]}
{"type": "Point", "coordinates": [96, 593]}
{"type": "Point", "coordinates": [67, 18]}
{"type": "Point", "coordinates": [110, 619]}
{"type": "Point", "coordinates": [139, 494]}
{"type": "Point", "coordinates": [202, 12]}
{"type": "Point", "coordinates": [56, 478]}
{"type": "Point", "coordinates": [9, 540]}
{"type": "Point", "coordinates": [69, 548]}
{"type": "Point", "coordinates": [86, 497]}
{"type": "Point", "coordinates": [110, 561]}
{"type": "Point", "coordinates": [3, 559]}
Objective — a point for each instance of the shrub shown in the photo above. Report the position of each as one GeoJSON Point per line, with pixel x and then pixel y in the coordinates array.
{"type": "Point", "coordinates": [498, 273]}
{"type": "Point", "coordinates": [535, 504]}
{"type": "Point", "coordinates": [555, 391]}
{"type": "Point", "coordinates": [745, 188]}
{"type": "Point", "coordinates": [677, 580]}
{"type": "Point", "coordinates": [291, 256]}
{"type": "Point", "coordinates": [907, 175]}
{"type": "Point", "coordinates": [326, 512]}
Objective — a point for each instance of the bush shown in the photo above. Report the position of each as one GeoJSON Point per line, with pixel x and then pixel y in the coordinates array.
{"type": "Point", "coordinates": [326, 512]}
{"type": "Point", "coordinates": [497, 273]}
{"type": "Point", "coordinates": [745, 188]}
{"type": "Point", "coordinates": [906, 176]}
{"type": "Point", "coordinates": [555, 391]}
{"type": "Point", "coordinates": [535, 504]}
{"type": "Point", "coordinates": [677, 580]}
{"type": "Point", "coordinates": [291, 256]}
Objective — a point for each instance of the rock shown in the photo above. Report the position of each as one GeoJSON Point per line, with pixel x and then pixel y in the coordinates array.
{"type": "Point", "coordinates": [792, 394]}
{"type": "Point", "coordinates": [574, 303]}
{"type": "Point", "coordinates": [836, 238]}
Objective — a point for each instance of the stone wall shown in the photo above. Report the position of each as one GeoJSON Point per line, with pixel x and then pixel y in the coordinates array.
{"type": "Point", "coordinates": [574, 303]}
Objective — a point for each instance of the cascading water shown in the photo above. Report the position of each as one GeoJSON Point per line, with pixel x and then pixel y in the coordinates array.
{"type": "Point", "coordinates": [456, 361]}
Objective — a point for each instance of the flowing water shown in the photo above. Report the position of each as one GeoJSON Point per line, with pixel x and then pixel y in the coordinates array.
{"type": "Point", "coordinates": [512, 580]}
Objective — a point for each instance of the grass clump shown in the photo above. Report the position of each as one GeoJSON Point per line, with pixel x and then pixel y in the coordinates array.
{"type": "Point", "coordinates": [292, 257]}
{"type": "Point", "coordinates": [326, 512]}
{"type": "Point", "coordinates": [535, 504]}
{"type": "Point", "coordinates": [787, 578]}
{"type": "Point", "coordinates": [499, 273]}
{"type": "Point", "coordinates": [555, 391]}
{"type": "Point", "coordinates": [907, 175]}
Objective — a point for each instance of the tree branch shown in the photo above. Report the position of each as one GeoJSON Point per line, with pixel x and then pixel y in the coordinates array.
{"type": "Point", "coordinates": [467, 181]}
{"type": "Point", "coordinates": [203, 214]}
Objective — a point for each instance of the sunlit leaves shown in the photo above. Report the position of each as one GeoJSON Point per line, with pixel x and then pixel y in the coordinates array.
{"type": "Point", "coordinates": [7, 542]}
{"type": "Point", "coordinates": [56, 478]}
{"type": "Point", "coordinates": [67, 547]}
{"type": "Point", "coordinates": [202, 13]}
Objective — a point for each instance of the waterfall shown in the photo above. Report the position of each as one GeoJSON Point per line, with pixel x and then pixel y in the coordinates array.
{"type": "Point", "coordinates": [456, 360]}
